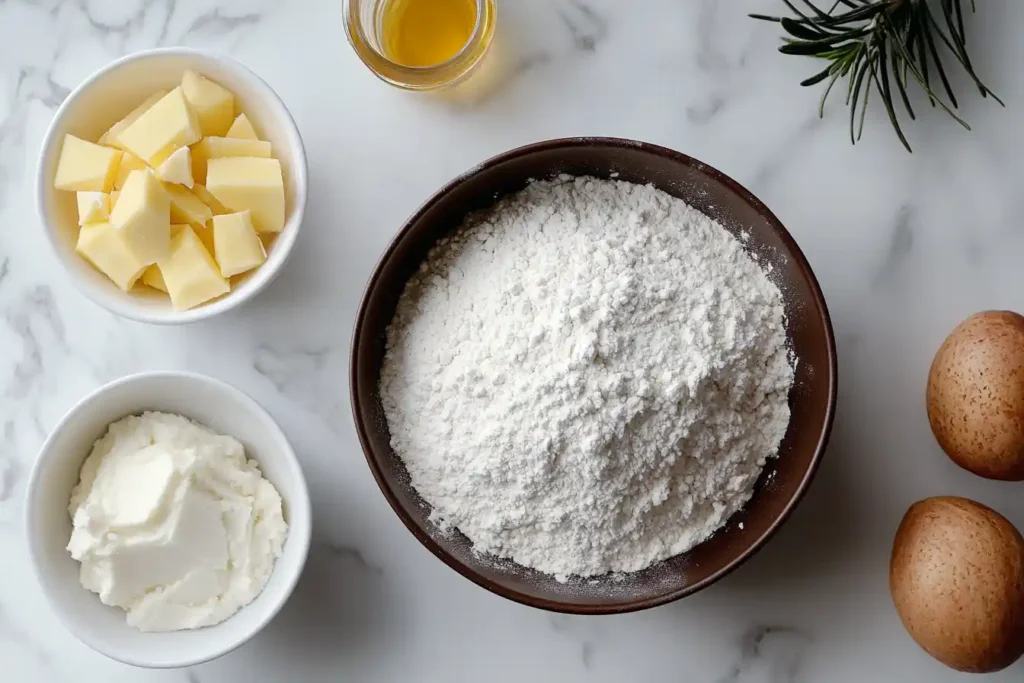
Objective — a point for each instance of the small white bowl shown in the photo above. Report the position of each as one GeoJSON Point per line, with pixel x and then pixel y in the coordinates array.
{"type": "Point", "coordinates": [106, 97]}
{"type": "Point", "coordinates": [212, 403]}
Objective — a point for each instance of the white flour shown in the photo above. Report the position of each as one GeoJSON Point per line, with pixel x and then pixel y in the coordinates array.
{"type": "Point", "coordinates": [588, 378]}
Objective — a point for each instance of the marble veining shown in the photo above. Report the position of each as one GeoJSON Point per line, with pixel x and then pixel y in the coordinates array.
{"type": "Point", "coordinates": [10, 468]}
{"type": "Point", "coordinates": [565, 626]}
{"type": "Point", "coordinates": [35, 315]}
{"type": "Point", "coordinates": [702, 113]}
{"type": "Point", "coordinates": [13, 635]}
{"type": "Point", "coordinates": [901, 243]}
{"type": "Point", "coordinates": [587, 27]}
{"type": "Point", "coordinates": [904, 246]}
{"type": "Point", "coordinates": [768, 653]}
{"type": "Point", "coordinates": [305, 375]}
{"type": "Point", "coordinates": [353, 555]}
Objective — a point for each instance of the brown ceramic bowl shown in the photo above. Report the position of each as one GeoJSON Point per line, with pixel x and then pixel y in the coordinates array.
{"type": "Point", "coordinates": [812, 399]}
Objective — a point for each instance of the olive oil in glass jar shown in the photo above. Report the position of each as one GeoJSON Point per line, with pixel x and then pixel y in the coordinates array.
{"type": "Point", "coordinates": [420, 44]}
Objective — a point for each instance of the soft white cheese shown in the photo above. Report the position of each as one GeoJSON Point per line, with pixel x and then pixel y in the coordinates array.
{"type": "Point", "coordinates": [173, 524]}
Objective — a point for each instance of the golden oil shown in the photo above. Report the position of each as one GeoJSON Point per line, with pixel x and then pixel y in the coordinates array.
{"type": "Point", "coordinates": [421, 44]}
{"type": "Point", "coordinates": [425, 33]}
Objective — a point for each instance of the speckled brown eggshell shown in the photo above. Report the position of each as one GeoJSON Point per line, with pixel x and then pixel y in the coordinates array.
{"type": "Point", "coordinates": [975, 395]}
{"type": "Point", "coordinates": [957, 580]}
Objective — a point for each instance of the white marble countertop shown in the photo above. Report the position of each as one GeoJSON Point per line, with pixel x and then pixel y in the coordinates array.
{"type": "Point", "coordinates": [904, 245]}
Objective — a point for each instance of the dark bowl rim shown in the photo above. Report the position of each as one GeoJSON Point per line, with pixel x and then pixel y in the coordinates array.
{"type": "Point", "coordinates": [794, 252]}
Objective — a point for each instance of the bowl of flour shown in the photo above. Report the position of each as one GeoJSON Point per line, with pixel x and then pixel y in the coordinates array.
{"type": "Point", "coordinates": [593, 375]}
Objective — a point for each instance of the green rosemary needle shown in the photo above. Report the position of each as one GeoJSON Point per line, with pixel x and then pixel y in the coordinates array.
{"type": "Point", "coordinates": [885, 45]}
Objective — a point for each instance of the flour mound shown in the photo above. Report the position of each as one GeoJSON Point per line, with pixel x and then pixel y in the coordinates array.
{"type": "Point", "coordinates": [587, 378]}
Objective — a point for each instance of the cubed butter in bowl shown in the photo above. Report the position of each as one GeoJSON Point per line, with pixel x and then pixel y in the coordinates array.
{"type": "Point", "coordinates": [177, 168]}
{"type": "Point", "coordinates": [84, 166]}
{"type": "Point", "coordinates": [242, 128]}
{"type": "Point", "coordinates": [126, 167]}
{"type": "Point", "coordinates": [163, 128]}
{"type": "Point", "coordinates": [93, 207]}
{"type": "Point", "coordinates": [142, 217]}
{"type": "Point", "coordinates": [129, 163]}
{"type": "Point", "coordinates": [237, 244]}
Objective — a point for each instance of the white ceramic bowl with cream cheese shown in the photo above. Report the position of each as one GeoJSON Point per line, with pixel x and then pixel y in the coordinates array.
{"type": "Point", "coordinates": [103, 99]}
{"type": "Point", "coordinates": [223, 409]}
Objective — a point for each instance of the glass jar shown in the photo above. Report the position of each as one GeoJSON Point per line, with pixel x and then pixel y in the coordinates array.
{"type": "Point", "coordinates": [364, 27]}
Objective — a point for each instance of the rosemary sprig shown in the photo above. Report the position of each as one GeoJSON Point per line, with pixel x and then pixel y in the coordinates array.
{"type": "Point", "coordinates": [888, 44]}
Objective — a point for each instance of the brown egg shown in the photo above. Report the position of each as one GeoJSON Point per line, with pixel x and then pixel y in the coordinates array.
{"type": "Point", "coordinates": [957, 579]}
{"type": "Point", "coordinates": [975, 395]}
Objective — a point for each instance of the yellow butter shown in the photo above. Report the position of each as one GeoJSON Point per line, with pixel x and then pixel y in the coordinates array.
{"type": "Point", "coordinates": [187, 208]}
{"type": "Point", "coordinates": [99, 244]}
{"type": "Point", "coordinates": [247, 183]}
{"type": "Point", "coordinates": [242, 129]}
{"type": "Point", "coordinates": [111, 137]}
{"type": "Point", "coordinates": [86, 167]}
{"type": "Point", "coordinates": [142, 219]}
{"type": "Point", "coordinates": [153, 278]}
{"type": "Point", "coordinates": [203, 232]}
{"type": "Point", "coordinates": [237, 247]}
{"type": "Point", "coordinates": [189, 272]}
{"type": "Point", "coordinates": [93, 207]}
{"type": "Point", "coordinates": [163, 128]}
{"type": "Point", "coordinates": [129, 163]}
{"type": "Point", "coordinates": [177, 168]}
{"type": "Point", "coordinates": [208, 199]}
{"type": "Point", "coordinates": [114, 194]}
{"type": "Point", "coordinates": [213, 105]}
{"type": "Point", "coordinates": [216, 148]}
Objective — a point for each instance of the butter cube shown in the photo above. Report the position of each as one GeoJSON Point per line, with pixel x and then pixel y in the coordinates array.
{"type": "Point", "coordinates": [190, 273]}
{"type": "Point", "coordinates": [129, 163]}
{"type": "Point", "coordinates": [93, 207]}
{"type": "Point", "coordinates": [114, 194]}
{"type": "Point", "coordinates": [142, 218]}
{"type": "Point", "coordinates": [100, 245]}
{"type": "Point", "coordinates": [237, 247]}
{"type": "Point", "coordinates": [187, 208]}
{"type": "Point", "coordinates": [242, 129]}
{"type": "Point", "coordinates": [206, 198]}
{"type": "Point", "coordinates": [241, 183]}
{"type": "Point", "coordinates": [204, 232]}
{"type": "Point", "coordinates": [111, 137]}
{"type": "Point", "coordinates": [214, 105]}
{"type": "Point", "coordinates": [86, 167]}
{"type": "Point", "coordinates": [152, 277]}
{"type": "Point", "coordinates": [205, 235]}
{"type": "Point", "coordinates": [177, 168]}
{"type": "Point", "coordinates": [217, 148]}
{"type": "Point", "coordinates": [163, 128]}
